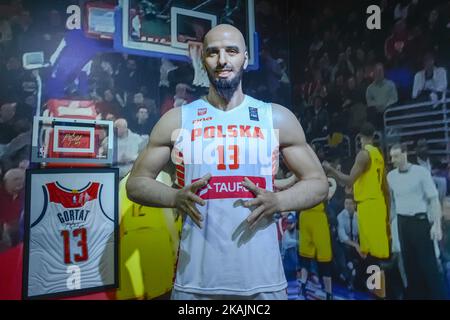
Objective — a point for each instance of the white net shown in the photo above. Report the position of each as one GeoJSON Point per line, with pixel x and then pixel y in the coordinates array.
{"type": "Point", "coordinates": [200, 75]}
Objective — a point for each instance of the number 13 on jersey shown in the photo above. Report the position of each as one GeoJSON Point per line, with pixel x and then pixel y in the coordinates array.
{"type": "Point", "coordinates": [234, 157]}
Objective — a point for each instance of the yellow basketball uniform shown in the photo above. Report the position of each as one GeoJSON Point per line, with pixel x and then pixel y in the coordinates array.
{"type": "Point", "coordinates": [148, 247]}
{"type": "Point", "coordinates": [314, 235]}
{"type": "Point", "coordinates": [372, 210]}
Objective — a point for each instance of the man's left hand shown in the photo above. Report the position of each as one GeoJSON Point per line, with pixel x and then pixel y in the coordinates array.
{"type": "Point", "coordinates": [266, 203]}
{"type": "Point", "coordinates": [436, 232]}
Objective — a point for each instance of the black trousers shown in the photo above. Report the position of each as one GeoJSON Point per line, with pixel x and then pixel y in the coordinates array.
{"type": "Point", "coordinates": [422, 272]}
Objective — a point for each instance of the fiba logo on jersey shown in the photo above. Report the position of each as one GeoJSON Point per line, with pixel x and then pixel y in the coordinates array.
{"type": "Point", "coordinates": [74, 280]}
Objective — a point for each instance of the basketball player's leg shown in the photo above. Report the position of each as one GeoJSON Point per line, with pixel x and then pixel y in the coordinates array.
{"type": "Point", "coordinates": [372, 223]}
{"type": "Point", "coordinates": [307, 249]}
{"type": "Point", "coordinates": [322, 240]}
{"type": "Point", "coordinates": [305, 265]}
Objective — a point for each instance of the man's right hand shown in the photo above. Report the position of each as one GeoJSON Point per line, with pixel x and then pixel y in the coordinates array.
{"type": "Point", "coordinates": [186, 199]}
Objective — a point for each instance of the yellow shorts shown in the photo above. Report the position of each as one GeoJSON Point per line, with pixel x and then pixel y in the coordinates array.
{"type": "Point", "coordinates": [315, 240]}
{"type": "Point", "coordinates": [373, 228]}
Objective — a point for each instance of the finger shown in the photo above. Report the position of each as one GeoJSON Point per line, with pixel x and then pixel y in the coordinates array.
{"type": "Point", "coordinates": [195, 214]}
{"type": "Point", "coordinates": [200, 183]}
{"type": "Point", "coordinates": [260, 217]}
{"type": "Point", "coordinates": [193, 197]}
{"type": "Point", "coordinates": [253, 202]}
{"type": "Point", "coordinates": [254, 215]}
{"type": "Point", "coordinates": [251, 186]}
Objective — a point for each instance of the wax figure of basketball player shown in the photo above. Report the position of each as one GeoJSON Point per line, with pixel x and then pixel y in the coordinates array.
{"type": "Point", "coordinates": [229, 246]}
{"type": "Point", "coordinates": [368, 179]}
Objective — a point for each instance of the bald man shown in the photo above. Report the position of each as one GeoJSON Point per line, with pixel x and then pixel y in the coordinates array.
{"type": "Point", "coordinates": [225, 147]}
{"type": "Point", "coordinates": [11, 199]}
{"type": "Point", "coordinates": [128, 146]}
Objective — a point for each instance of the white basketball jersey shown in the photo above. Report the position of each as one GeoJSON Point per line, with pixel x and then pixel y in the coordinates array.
{"type": "Point", "coordinates": [226, 257]}
{"type": "Point", "coordinates": [72, 233]}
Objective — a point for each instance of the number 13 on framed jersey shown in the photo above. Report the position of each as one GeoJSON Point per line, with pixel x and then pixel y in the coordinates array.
{"type": "Point", "coordinates": [71, 232]}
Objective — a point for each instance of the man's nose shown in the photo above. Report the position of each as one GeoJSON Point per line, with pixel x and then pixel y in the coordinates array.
{"type": "Point", "coordinates": [222, 58]}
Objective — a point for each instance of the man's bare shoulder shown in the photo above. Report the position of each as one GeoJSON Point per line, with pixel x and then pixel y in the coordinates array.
{"type": "Point", "coordinates": [363, 157]}
{"type": "Point", "coordinates": [166, 126]}
{"type": "Point", "coordinates": [288, 125]}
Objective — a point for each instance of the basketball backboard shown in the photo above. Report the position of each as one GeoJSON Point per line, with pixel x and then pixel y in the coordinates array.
{"type": "Point", "coordinates": [163, 28]}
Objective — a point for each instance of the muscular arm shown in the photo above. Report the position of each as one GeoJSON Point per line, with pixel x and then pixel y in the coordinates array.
{"type": "Point", "coordinates": [312, 185]}
{"type": "Point", "coordinates": [361, 163]}
{"type": "Point", "coordinates": [142, 186]}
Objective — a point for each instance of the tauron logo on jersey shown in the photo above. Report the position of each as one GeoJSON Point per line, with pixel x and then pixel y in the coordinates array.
{"type": "Point", "coordinates": [228, 187]}
{"type": "Point", "coordinates": [253, 113]}
{"type": "Point", "coordinates": [201, 111]}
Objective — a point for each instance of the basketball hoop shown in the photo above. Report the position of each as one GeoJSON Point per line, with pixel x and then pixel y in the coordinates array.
{"type": "Point", "coordinates": [200, 75]}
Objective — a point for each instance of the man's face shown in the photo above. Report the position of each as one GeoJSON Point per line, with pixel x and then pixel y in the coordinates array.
{"type": "Point", "coordinates": [317, 103]}
{"type": "Point", "coordinates": [131, 65]}
{"type": "Point", "coordinates": [351, 83]}
{"type": "Point", "coordinates": [142, 114]}
{"type": "Point", "coordinates": [398, 157]}
{"type": "Point", "coordinates": [138, 98]}
{"type": "Point", "coordinates": [109, 96]}
{"type": "Point", "coordinates": [349, 205]}
{"type": "Point", "coordinates": [225, 57]}
{"type": "Point", "coordinates": [379, 72]}
{"type": "Point", "coordinates": [429, 63]}
{"type": "Point", "coordinates": [14, 181]}
{"type": "Point", "coordinates": [7, 111]}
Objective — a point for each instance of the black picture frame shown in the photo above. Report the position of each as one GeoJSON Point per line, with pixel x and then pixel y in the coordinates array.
{"type": "Point", "coordinates": [30, 173]}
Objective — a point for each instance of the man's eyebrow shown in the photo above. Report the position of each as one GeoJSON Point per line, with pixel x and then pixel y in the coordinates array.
{"type": "Point", "coordinates": [213, 48]}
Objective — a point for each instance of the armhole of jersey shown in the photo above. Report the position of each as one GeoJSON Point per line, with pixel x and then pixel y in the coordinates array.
{"type": "Point", "coordinates": [100, 203]}
{"type": "Point", "coordinates": [41, 216]}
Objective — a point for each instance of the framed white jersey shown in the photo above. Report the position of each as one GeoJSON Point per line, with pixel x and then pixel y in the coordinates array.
{"type": "Point", "coordinates": [71, 232]}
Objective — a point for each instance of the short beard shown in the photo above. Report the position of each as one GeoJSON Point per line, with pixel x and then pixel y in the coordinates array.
{"type": "Point", "coordinates": [226, 88]}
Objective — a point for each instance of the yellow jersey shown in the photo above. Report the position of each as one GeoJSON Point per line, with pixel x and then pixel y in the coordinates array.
{"type": "Point", "coordinates": [369, 184]}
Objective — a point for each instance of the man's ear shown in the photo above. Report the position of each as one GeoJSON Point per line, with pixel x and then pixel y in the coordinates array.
{"type": "Point", "coordinates": [246, 60]}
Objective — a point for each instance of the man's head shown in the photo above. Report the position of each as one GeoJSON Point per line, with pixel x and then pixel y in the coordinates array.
{"type": "Point", "coordinates": [142, 114]}
{"type": "Point", "coordinates": [138, 98]}
{"type": "Point", "coordinates": [225, 58]}
{"type": "Point", "coordinates": [291, 220]}
{"type": "Point", "coordinates": [122, 127]}
{"type": "Point", "coordinates": [150, 105]}
{"type": "Point", "coordinates": [349, 203]}
{"type": "Point", "coordinates": [7, 111]}
{"type": "Point", "coordinates": [422, 149]}
{"type": "Point", "coordinates": [360, 54]}
{"type": "Point", "coordinates": [108, 95]}
{"type": "Point", "coordinates": [351, 83]}
{"type": "Point", "coordinates": [317, 102]}
{"type": "Point", "coordinates": [181, 91]}
{"type": "Point", "coordinates": [131, 65]}
{"type": "Point", "coordinates": [367, 132]}
{"type": "Point", "coordinates": [433, 16]}
{"type": "Point", "coordinates": [399, 155]}
{"type": "Point", "coordinates": [378, 73]}
{"type": "Point", "coordinates": [428, 62]}
{"type": "Point", "coordinates": [14, 181]}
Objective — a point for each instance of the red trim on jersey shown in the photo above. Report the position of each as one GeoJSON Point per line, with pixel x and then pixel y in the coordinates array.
{"type": "Point", "coordinates": [72, 200]}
